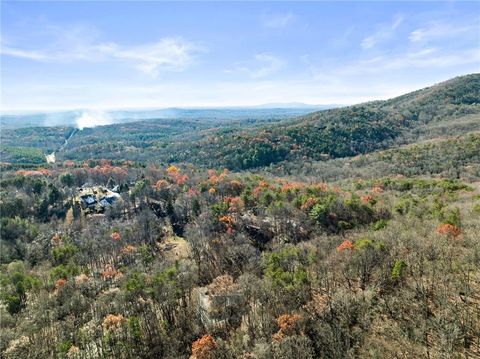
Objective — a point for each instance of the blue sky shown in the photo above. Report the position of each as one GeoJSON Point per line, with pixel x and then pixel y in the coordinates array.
{"type": "Point", "coordinates": [66, 55]}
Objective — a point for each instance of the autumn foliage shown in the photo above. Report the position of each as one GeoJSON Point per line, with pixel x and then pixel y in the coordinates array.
{"type": "Point", "coordinates": [193, 192]}
{"type": "Point", "coordinates": [128, 249]}
{"type": "Point", "coordinates": [222, 284]}
{"type": "Point", "coordinates": [107, 170]}
{"type": "Point", "coordinates": [181, 179]}
{"type": "Point", "coordinates": [367, 198]}
{"type": "Point", "coordinates": [172, 169]}
{"type": "Point", "coordinates": [235, 203]}
{"type": "Point", "coordinates": [263, 184]}
{"type": "Point", "coordinates": [56, 239]}
{"type": "Point", "coordinates": [116, 236]}
{"type": "Point", "coordinates": [203, 348]}
{"type": "Point", "coordinates": [229, 222]}
{"type": "Point", "coordinates": [111, 272]}
{"type": "Point", "coordinates": [257, 191]}
{"type": "Point", "coordinates": [33, 173]}
{"type": "Point", "coordinates": [291, 187]}
{"type": "Point", "coordinates": [82, 278]}
{"type": "Point", "coordinates": [449, 230]}
{"type": "Point", "coordinates": [161, 184]}
{"type": "Point", "coordinates": [289, 324]}
{"type": "Point", "coordinates": [113, 322]}
{"type": "Point", "coordinates": [60, 283]}
{"type": "Point", "coordinates": [345, 245]}
{"type": "Point", "coordinates": [309, 203]}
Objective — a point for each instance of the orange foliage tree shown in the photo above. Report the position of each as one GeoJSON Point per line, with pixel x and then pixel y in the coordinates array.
{"type": "Point", "coordinates": [128, 249]}
{"type": "Point", "coordinates": [60, 283]}
{"type": "Point", "coordinates": [113, 322]}
{"type": "Point", "coordinates": [289, 324]}
{"type": "Point", "coordinates": [263, 184]}
{"type": "Point", "coordinates": [449, 230]}
{"type": "Point", "coordinates": [111, 272]}
{"type": "Point", "coordinates": [367, 198]}
{"type": "Point", "coordinates": [161, 184]}
{"type": "Point", "coordinates": [235, 203]}
{"type": "Point", "coordinates": [204, 348]}
{"type": "Point", "coordinates": [229, 221]}
{"type": "Point", "coordinates": [345, 245]}
{"type": "Point", "coordinates": [309, 203]}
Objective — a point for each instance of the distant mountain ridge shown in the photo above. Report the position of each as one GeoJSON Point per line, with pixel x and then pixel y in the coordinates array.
{"type": "Point", "coordinates": [70, 118]}
{"type": "Point", "coordinates": [346, 131]}
{"type": "Point", "coordinates": [241, 139]}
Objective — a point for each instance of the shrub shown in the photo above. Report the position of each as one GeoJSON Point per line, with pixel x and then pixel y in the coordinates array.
{"type": "Point", "coordinates": [285, 270]}
{"type": "Point", "coordinates": [476, 208]}
{"type": "Point", "coordinates": [398, 269]}
{"type": "Point", "coordinates": [380, 224]}
{"type": "Point", "coordinates": [368, 243]}
{"type": "Point", "coordinates": [62, 254]}
{"type": "Point", "coordinates": [64, 271]}
{"type": "Point", "coordinates": [452, 217]}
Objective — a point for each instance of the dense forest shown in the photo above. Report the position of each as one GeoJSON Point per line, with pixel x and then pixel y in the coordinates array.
{"type": "Point", "coordinates": [346, 233]}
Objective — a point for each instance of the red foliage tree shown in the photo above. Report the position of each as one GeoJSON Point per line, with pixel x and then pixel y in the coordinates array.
{"type": "Point", "coordinates": [116, 236]}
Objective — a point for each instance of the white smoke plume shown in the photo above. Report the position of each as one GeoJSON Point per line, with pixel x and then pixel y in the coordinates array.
{"type": "Point", "coordinates": [93, 118]}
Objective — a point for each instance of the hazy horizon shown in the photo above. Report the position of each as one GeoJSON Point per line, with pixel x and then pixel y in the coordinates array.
{"type": "Point", "coordinates": [260, 106]}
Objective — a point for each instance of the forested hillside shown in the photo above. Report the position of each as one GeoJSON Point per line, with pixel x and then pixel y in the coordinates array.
{"type": "Point", "coordinates": [449, 108]}
{"type": "Point", "coordinates": [454, 157]}
{"type": "Point", "coordinates": [353, 233]}
{"type": "Point", "coordinates": [347, 131]}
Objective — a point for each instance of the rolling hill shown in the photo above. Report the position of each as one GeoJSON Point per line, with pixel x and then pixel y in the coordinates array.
{"type": "Point", "coordinates": [449, 108]}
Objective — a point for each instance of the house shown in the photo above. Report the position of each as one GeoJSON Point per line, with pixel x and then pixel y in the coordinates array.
{"type": "Point", "coordinates": [109, 199]}
{"type": "Point", "coordinates": [97, 199]}
{"type": "Point", "coordinates": [88, 201]}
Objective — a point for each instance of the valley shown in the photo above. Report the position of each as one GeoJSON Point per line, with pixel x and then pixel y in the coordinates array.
{"type": "Point", "coordinates": [344, 233]}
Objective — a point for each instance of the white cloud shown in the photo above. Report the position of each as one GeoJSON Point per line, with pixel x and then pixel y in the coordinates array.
{"type": "Point", "coordinates": [262, 65]}
{"type": "Point", "coordinates": [25, 54]}
{"type": "Point", "coordinates": [425, 58]}
{"type": "Point", "coordinates": [276, 21]}
{"type": "Point", "coordinates": [400, 66]}
{"type": "Point", "coordinates": [271, 65]}
{"type": "Point", "coordinates": [434, 58]}
{"type": "Point", "coordinates": [438, 30]}
{"type": "Point", "coordinates": [167, 54]}
{"type": "Point", "coordinates": [385, 32]}
{"type": "Point", "coordinates": [172, 54]}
